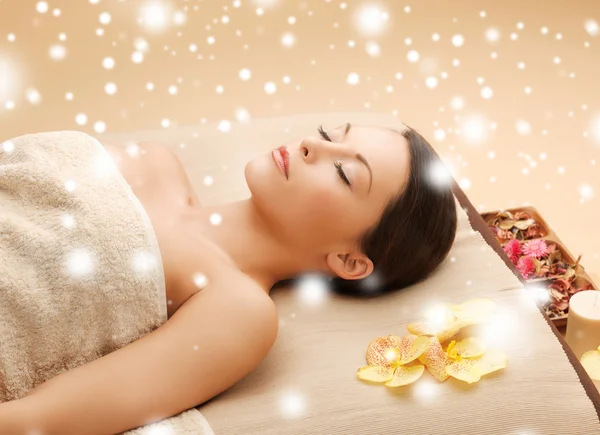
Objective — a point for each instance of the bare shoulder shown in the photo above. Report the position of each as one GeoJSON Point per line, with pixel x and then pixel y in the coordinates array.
{"type": "Point", "coordinates": [246, 302]}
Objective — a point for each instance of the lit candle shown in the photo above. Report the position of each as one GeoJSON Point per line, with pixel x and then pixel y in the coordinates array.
{"type": "Point", "coordinates": [583, 322]}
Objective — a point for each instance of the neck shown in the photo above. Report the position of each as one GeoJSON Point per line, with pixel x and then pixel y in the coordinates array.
{"type": "Point", "coordinates": [250, 243]}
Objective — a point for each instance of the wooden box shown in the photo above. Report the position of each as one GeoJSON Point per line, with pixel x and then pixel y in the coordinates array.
{"type": "Point", "coordinates": [545, 232]}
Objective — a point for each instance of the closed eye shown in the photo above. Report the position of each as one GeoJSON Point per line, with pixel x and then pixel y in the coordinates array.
{"type": "Point", "coordinates": [337, 165]}
{"type": "Point", "coordinates": [358, 156]}
{"type": "Point", "coordinates": [341, 173]}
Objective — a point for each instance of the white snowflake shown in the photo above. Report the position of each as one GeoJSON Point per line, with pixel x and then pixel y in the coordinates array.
{"type": "Point", "coordinates": [523, 127]}
{"type": "Point", "coordinates": [591, 27]}
{"type": "Point", "coordinates": [586, 192]}
{"type": "Point", "coordinates": [371, 19]}
{"type": "Point", "coordinates": [110, 88]}
{"type": "Point", "coordinates": [80, 262]}
{"type": "Point", "coordinates": [8, 146]}
{"type": "Point", "coordinates": [108, 62]}
{"type": "Point", "coordinates": [105, 18]}
{"type": "Point", "coordinates": [99, 127]}
{"type": "Point", "coordinates": [413, 56]}
{"type": "Point", "coordinates": [465, 183]}
{"type": "Point", "coordinates": [439, 134]}
{"type": "Point", "coordinates": [457, 103]}
{"type": "Point", "coordinates": [68, 221]}
{"type": "Point", "coordinates": [353, 78]}
{"type": "Point", "coordinates": [312, 289]}
{"type": "Point", "coordinates": [245, 74]}
{"type": "Point", "coordinates": [288, 39]}
{"type": "Point", "coordinates": [458, 40]}
{"type": "Point", "coordinates": [33, 96]}
{"type": "Point", "coordinates": [438, 174]}
{"type": "Point", "coordinates": [373, 49]}
{"type": "Point", "coordinates": [137, 57]}
{"type": "Point", "coordinates": [492, 34]}
{"type": "Point", "coordinates": [154, 14]}
{"type": "Point", "coordinates": [143, 261]}
{"type": "Point", "coordinates": [292, 405]}
{"type": "Point", "coordinates": [270, 88]}
{"type": "Point", "coordinates": [57, 52]}
{"type": "Point", "coordinates": [224, 126]}
{"type": "Point", "coordinates": [242, 115]}
{"type": "Point", "coordinates": [81, 119]}
{"type": "Point", "coordinates": [474, 128]}
{"type": "Point", "coordinates": [179, 18]}
{"type": "Point", "coordinates": [215, 219]}
{"type": "Point", "coordinates": [431, 82]}
{"type": "Point", "coordinates": [42, 7]}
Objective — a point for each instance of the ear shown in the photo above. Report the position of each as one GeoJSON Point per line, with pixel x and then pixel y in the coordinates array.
{"type": "Point", "coordinates": [350, 265]}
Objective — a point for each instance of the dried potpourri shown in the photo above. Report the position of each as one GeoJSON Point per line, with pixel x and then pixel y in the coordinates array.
{"type": "Point", "coordinates": [560, 292]}
{"type": "Point", "coordinates": [539, 259]}
{"type": "Point", "coordinates": [507, 226]}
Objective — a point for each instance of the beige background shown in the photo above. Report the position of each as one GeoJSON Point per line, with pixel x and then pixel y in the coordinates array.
{"type": "Point", "coordinates": [534, 140]}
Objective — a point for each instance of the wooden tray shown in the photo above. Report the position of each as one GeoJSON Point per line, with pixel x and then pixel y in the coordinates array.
{"type": "Point", "coordinates": [550, 236]}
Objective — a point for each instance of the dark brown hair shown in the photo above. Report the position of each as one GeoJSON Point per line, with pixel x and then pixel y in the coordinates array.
{"type": "Point", "coordinates": [415, 231]}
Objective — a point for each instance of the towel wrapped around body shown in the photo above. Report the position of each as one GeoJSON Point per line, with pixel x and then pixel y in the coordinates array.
{"type": "Point", "coordinates": [80, 269]}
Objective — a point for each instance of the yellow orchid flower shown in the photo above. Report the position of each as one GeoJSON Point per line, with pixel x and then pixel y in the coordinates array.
{"type": "Point", "coordinates": [387, 357]}
{"type": "Point", "coordinates": [446, 320]}
{"type": "Point", "coordinates": [466, 360]}
{"type": "Point", "coordinates": [591, 363]}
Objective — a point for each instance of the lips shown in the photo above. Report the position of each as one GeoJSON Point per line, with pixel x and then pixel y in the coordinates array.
{"type": "Point", "coordinates": [281, 158]}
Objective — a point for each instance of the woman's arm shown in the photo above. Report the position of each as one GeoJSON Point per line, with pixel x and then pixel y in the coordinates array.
{"type": "Point", "coordinates": [215, 339]}
{"type": "Point", "coordinates": [12, 418]}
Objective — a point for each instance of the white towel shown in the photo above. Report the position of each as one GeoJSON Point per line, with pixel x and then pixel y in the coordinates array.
{"type": "Point", "coordinates": [80, 270]}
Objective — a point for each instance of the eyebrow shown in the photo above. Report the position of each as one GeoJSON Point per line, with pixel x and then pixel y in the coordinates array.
{"type": "Point", "coordinates": [360, 157]}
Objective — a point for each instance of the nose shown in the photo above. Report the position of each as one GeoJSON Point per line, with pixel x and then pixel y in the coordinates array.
{"type": "Point", "coordinates": [312, 148]}
{"type": "Point", "coordinates": [308, 148]}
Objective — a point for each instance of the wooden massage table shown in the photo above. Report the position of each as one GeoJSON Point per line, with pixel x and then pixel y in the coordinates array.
{"type": "Point", "coordinates": [308, 384]}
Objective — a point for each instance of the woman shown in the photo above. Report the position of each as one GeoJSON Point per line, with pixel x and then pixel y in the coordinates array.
{"type": "Point", "coordinates": [355, 203]}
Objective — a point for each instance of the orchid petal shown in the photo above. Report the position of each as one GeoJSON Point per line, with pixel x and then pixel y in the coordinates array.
{"type": "Point", "coordinates": [464, 370]}
{"type": "Point", "coordinates": [411, 347]}
{"type": "Point", "coordinates": [375, 373]}
{"type": "Point", "coordinates": [435, 360]}
{"type": "Point", "coordinates": [468, 348]}
{"type": "Point", "coordinates": [491, 361]}
{"type": "Point", "coordinates": [473, 311]}
{"type": "Point", "coordinates": [384, 351]}
{"type": "Point", "coordinates": [405, 376]}
{"type": "Point", "coordinates": [443, 333]}
{"type": "Point", "coordinates": [591, 363]}
{"type": "Point", "coordinates": [472, 369]}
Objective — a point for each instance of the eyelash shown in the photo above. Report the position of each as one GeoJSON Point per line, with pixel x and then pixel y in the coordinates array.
{"type": "Point", "coordinates": [340, 171]}
{"type": "Point", "coordinates": [323, 134]}
{"type": "Point", "coordinates": [338, 165]}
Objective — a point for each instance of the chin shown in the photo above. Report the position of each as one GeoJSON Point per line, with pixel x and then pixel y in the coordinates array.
{"type": "Point", "coordinates": [261, 178]}
{"type": "Point", "coordinates": [266, 185]}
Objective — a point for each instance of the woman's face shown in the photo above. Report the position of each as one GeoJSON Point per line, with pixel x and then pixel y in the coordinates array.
{"type": "Point", "coordinates": [314, 207]}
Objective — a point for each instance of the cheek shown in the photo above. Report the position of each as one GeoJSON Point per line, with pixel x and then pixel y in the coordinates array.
{"type": "Point", "coordinates": [320, 209]}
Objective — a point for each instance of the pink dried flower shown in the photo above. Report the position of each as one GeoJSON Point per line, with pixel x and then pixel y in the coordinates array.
{"type": "Point", "coordinates": [535, 248]}
{"type": "Point", "coordinates": [513, 250]}
{"type": "Point", "coordinates": [526, 266]}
